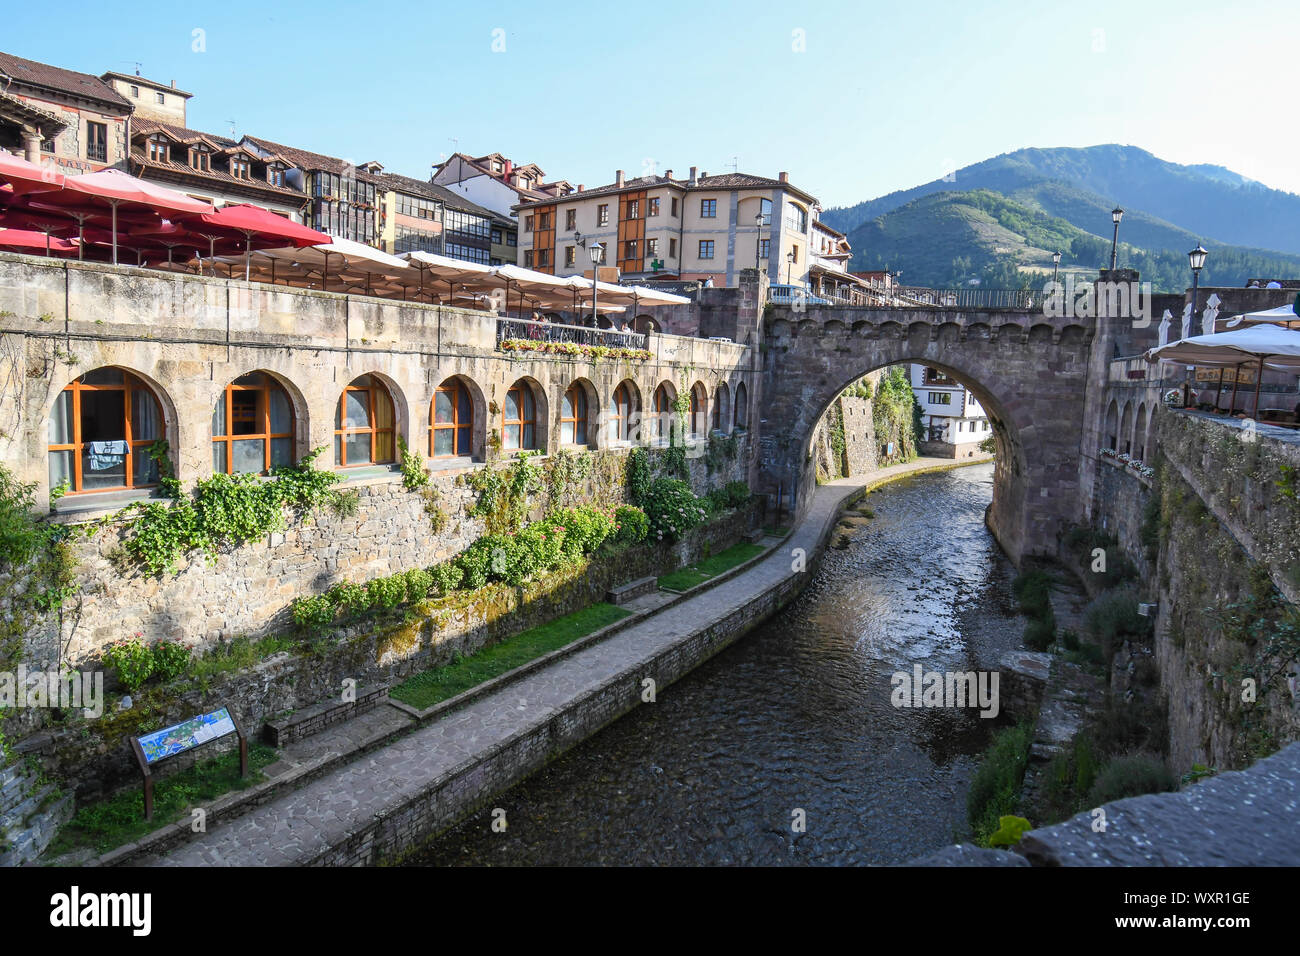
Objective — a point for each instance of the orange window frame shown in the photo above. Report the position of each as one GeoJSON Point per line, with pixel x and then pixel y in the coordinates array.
{"type": "Point", "coordinates": [372, 430]}
{"type": "Point", "coordinates": [451, 387]}
{"type": "Point", "coordinates": [129, 384]}
{"type": "Point", "coordinates": [576, 396]}
{"type": "Point", "coordinates": [262, 416]}
{"type": "Point", "coordinates": [523, 396]}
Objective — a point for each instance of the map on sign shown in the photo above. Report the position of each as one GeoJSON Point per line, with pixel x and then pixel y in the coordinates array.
{"type": "Point", "coordinates": [188, 733]}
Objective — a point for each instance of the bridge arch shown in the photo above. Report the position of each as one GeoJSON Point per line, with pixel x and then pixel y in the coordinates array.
{"type": "Point", "coordinates": [1026, 372]}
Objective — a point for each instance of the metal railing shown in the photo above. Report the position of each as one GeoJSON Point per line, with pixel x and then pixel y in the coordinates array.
{"type": "Point", "coordinates": [575, 334]}
{"type": "Point", "coordinates": [877, 295]}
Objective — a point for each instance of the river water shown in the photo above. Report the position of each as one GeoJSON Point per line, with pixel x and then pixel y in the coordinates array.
{"type": "Point", "coordinates": [797, 716]}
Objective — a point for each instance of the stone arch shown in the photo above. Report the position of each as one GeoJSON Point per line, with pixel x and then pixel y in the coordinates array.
{"type": "Point", "coordinates": [446, 409]}
{"type": "Point", "coordinates": [697, 421]}
{"type": "Point", "coordinates": [517, 415]}
{"type": "Point", "coordinates": [620, 418]}
{"type": "Point", "coordinates": [97, 407]}
{"type": "Point", "coordinates": [370, 416]}
{"type": "Point", "coordinates": [720, 420]}
{"type": "Point", "coordinates": [283, 443]}
{"type": "Point", "coordinates": [659, 419]}
{"type": "Point", "coordinates": [1126, 429]}
{"type": "Point", "coordinates": [1110, 435]}
{"type": "Point", "coordinates": [644, 324]}
{"type": "Point", "coordinates": [1140, 433]}
{"type": "Point", "coordinates": [740, 415]}
{"type": "Point", "coordinates": [1040, 334]}
{"type": "Point", "coordinates": [578, 410]}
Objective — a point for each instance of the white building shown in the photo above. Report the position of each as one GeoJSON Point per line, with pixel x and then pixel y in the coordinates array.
{"type": "Point", "coordinates": [950, 413]}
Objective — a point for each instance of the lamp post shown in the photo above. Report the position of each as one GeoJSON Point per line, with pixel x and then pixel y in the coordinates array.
{"type": "Point", "coordinates": [1197, 260]}
{"type": "Point", "coordinates": [1116, 215]}
{"type": "Point", "coordinates": [789, 258]}
{"type": "Point", "coordinates": [597, 252]}
{"type": "Point", "coordinates": [1056, 266]}
{"type": "Point", "coordinates": [758, 240]}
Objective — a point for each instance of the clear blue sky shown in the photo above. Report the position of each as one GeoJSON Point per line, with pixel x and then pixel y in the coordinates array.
{"type": "Point", "coordinates": [882, 96]}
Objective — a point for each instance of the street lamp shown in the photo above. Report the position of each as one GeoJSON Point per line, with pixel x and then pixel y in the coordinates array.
{"type": "Point", "coordinates": [1116, 215]}
{"type": "Point", "coordinates": [597, 252]}
{"type": "Point", "coordinates": [1056, 266]}
{"type": "Point", "coordinates": [758, 240]}
{"type": "Point", "coordinates": [1197, 260]}
{"type": "Point", "coordinates": [789, 257]}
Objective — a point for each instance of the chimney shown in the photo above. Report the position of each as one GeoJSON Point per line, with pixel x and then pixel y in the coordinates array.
{"type": "Point", "coordinates": [509, 168]}
{"type": "Point", "coordinates": [692, 179]}
{"type": "Point", "coordinates": [173, 84]}
{"type": "Point", "coordinates": [783, 177]}
{"type": "Point", "coordinates": [618, 178]}
{"type": "Point", "coordinates": [581, 187]}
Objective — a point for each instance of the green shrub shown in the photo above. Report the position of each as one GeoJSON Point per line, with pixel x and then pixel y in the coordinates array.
{"type": "Point", "coordinates": [1040, 632]}
{"type": "Point", "coordinates": [170, 659]}
{"type": "Point", "coordinates": [387, 592]}
{"type": "Point", "coordinates": [447, 576]}
{"type": "Point", "coordinates": [589, 525]}
{"type": "Point", "coordinates": [473, 564]}
{"type": "Point", "coordinates": [995, 789]}
{"type": "Point", "coordinates": [312, 614]}
{"type": "Point", "coordinates": [672, 509]}
{"type": "Point", "coordinates": [738, 493]}
{"type": "Point", "coordinates": [1113, 616]}
{"type": "Point", "coordinates": [348, 597]}
{"type": "Point", "coordinates": [419, 583]}
{"type": "Point", "coordinates": [631, 524]}
{"type": "Point", "coordinates": [1069, 640]}
{"type": "Point", "coordinates": [638, 476]}
{"type": "Point", "coordinates": [132, 659]}
{"type": "Point", "coordinates": [1033, 590]}
{"type": "Point", "coordinates": [1131, 776]}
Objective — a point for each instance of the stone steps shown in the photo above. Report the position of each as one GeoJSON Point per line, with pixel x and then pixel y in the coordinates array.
{"type": "Point", "coordinates": [31, 815]}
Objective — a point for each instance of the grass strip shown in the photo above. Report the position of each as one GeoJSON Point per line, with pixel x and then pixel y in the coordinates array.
{"type": "Point", "coordinates": [701, 571]}
{"type": "Point", "coordinates": [106, 824]}
{"type": "Point", "coordinates": [441, 683]}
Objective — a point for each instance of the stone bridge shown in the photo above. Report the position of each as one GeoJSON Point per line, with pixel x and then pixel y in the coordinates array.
{"type": "Point", "coordinates": [1030, 373]}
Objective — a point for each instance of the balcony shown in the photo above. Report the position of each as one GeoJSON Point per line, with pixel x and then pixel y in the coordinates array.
{"type": "Point", "coordinates": [553, 332]}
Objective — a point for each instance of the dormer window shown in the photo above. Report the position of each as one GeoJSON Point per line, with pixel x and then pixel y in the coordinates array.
{"type": "Point", "coordinates": [159, 148]}
{"type": "Point", "coordinates": [200, 159]}
{"type": "Point", "coordinates": [240, 167]}
{"type": "Point", "coordinates": [275, 174]}
{"type": "Point", "coordinates": [497, 167]}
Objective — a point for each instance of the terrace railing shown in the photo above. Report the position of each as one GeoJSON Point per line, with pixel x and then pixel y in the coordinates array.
{"type": "Point", "coordinates": [577, 334]}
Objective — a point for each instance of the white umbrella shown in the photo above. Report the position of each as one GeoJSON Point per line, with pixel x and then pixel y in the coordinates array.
{"type": "Point", "coordinates": [1266, 345]}
{"type": "Point", "coordinates": [1282, 314]}
{"type": "Point", "coordinates": [1210, 314]}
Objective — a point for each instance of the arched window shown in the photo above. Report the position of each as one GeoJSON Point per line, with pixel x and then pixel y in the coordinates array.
{"type": "Point", "coordinates": [699, 401]}
{"type": "Point", "coordinates": [252, 426]}
{"type": "Point", "coordinates": [519, 418]}
{"type": "Point", "coordinates": [765, 208]}
{"type": "Point", "coordinates": [1140, 433]}
{"type": "Point", "coordinates": [451, 431]}
{"type": "Point", "coordinates": [1126, 429]}
{"type": "Point", "coordinates": [721, 409]}
{"type": "Point", "coordinates": [101, 428]}
{"type": "Point", "coordinates": [620, 414]}
{"type": "Point", "coordinates": [742, 410]}
{"type": "Point", "coordinates": [573, 416]}
{"type": "Point", "coordinates": [661, 426]}
{"type": "Point", "coordinates": [364, 425]}
{"type": "Point", "coordinates": [1112, 426]}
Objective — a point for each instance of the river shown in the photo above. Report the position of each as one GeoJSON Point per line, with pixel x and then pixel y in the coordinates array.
{"type": "Point", "coordinates": [797, 716]}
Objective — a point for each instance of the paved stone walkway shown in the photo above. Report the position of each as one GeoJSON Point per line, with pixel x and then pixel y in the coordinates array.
{"type": "Point", "coordinates": [298, 826]}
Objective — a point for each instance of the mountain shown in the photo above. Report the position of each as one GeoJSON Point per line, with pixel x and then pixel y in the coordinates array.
{"type": "Point", "coordinates": [1165, 204]}
{"type": "Point", "coordinates": [948, 239]}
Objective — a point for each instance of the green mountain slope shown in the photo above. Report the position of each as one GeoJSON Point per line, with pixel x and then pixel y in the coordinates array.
{"type": "Point", "coordinates": [949, 239]}
{"type": "Point", "coordinates": [1165, 203]}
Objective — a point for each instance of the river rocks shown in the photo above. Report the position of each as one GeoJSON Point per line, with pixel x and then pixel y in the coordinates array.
{"type": "Point", "coordinates": [963, 854]}
{"type": "Point", "coordinates": [1023, 677]}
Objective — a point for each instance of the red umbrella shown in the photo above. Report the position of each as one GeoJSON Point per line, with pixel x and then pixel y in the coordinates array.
{"type": "Point", "coordinates": [258, 226]}
{"type": "Point", "coordinates": [67, 221]}
{"type": "Point", "coordinates": [22, 240]}
{"type": "Point", "coordinates": [28, 177]}
{"type": "Point", "coordinates": [83, 197]}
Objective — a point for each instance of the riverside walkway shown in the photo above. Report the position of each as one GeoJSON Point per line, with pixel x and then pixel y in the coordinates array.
{"type": "Point", "coordinates": [305, 825]}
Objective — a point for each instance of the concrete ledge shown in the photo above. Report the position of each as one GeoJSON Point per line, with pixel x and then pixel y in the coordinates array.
{"type": "Point", "coordinates": [311, 720]}
{"type": "Point", "coordinates": [632, 590]}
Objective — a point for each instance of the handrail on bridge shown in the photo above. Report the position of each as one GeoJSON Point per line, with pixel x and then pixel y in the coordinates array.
{"type": "Point", "coordinates": [916, 297]}
{"type": "Point", "coordinates": [576, 334]}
